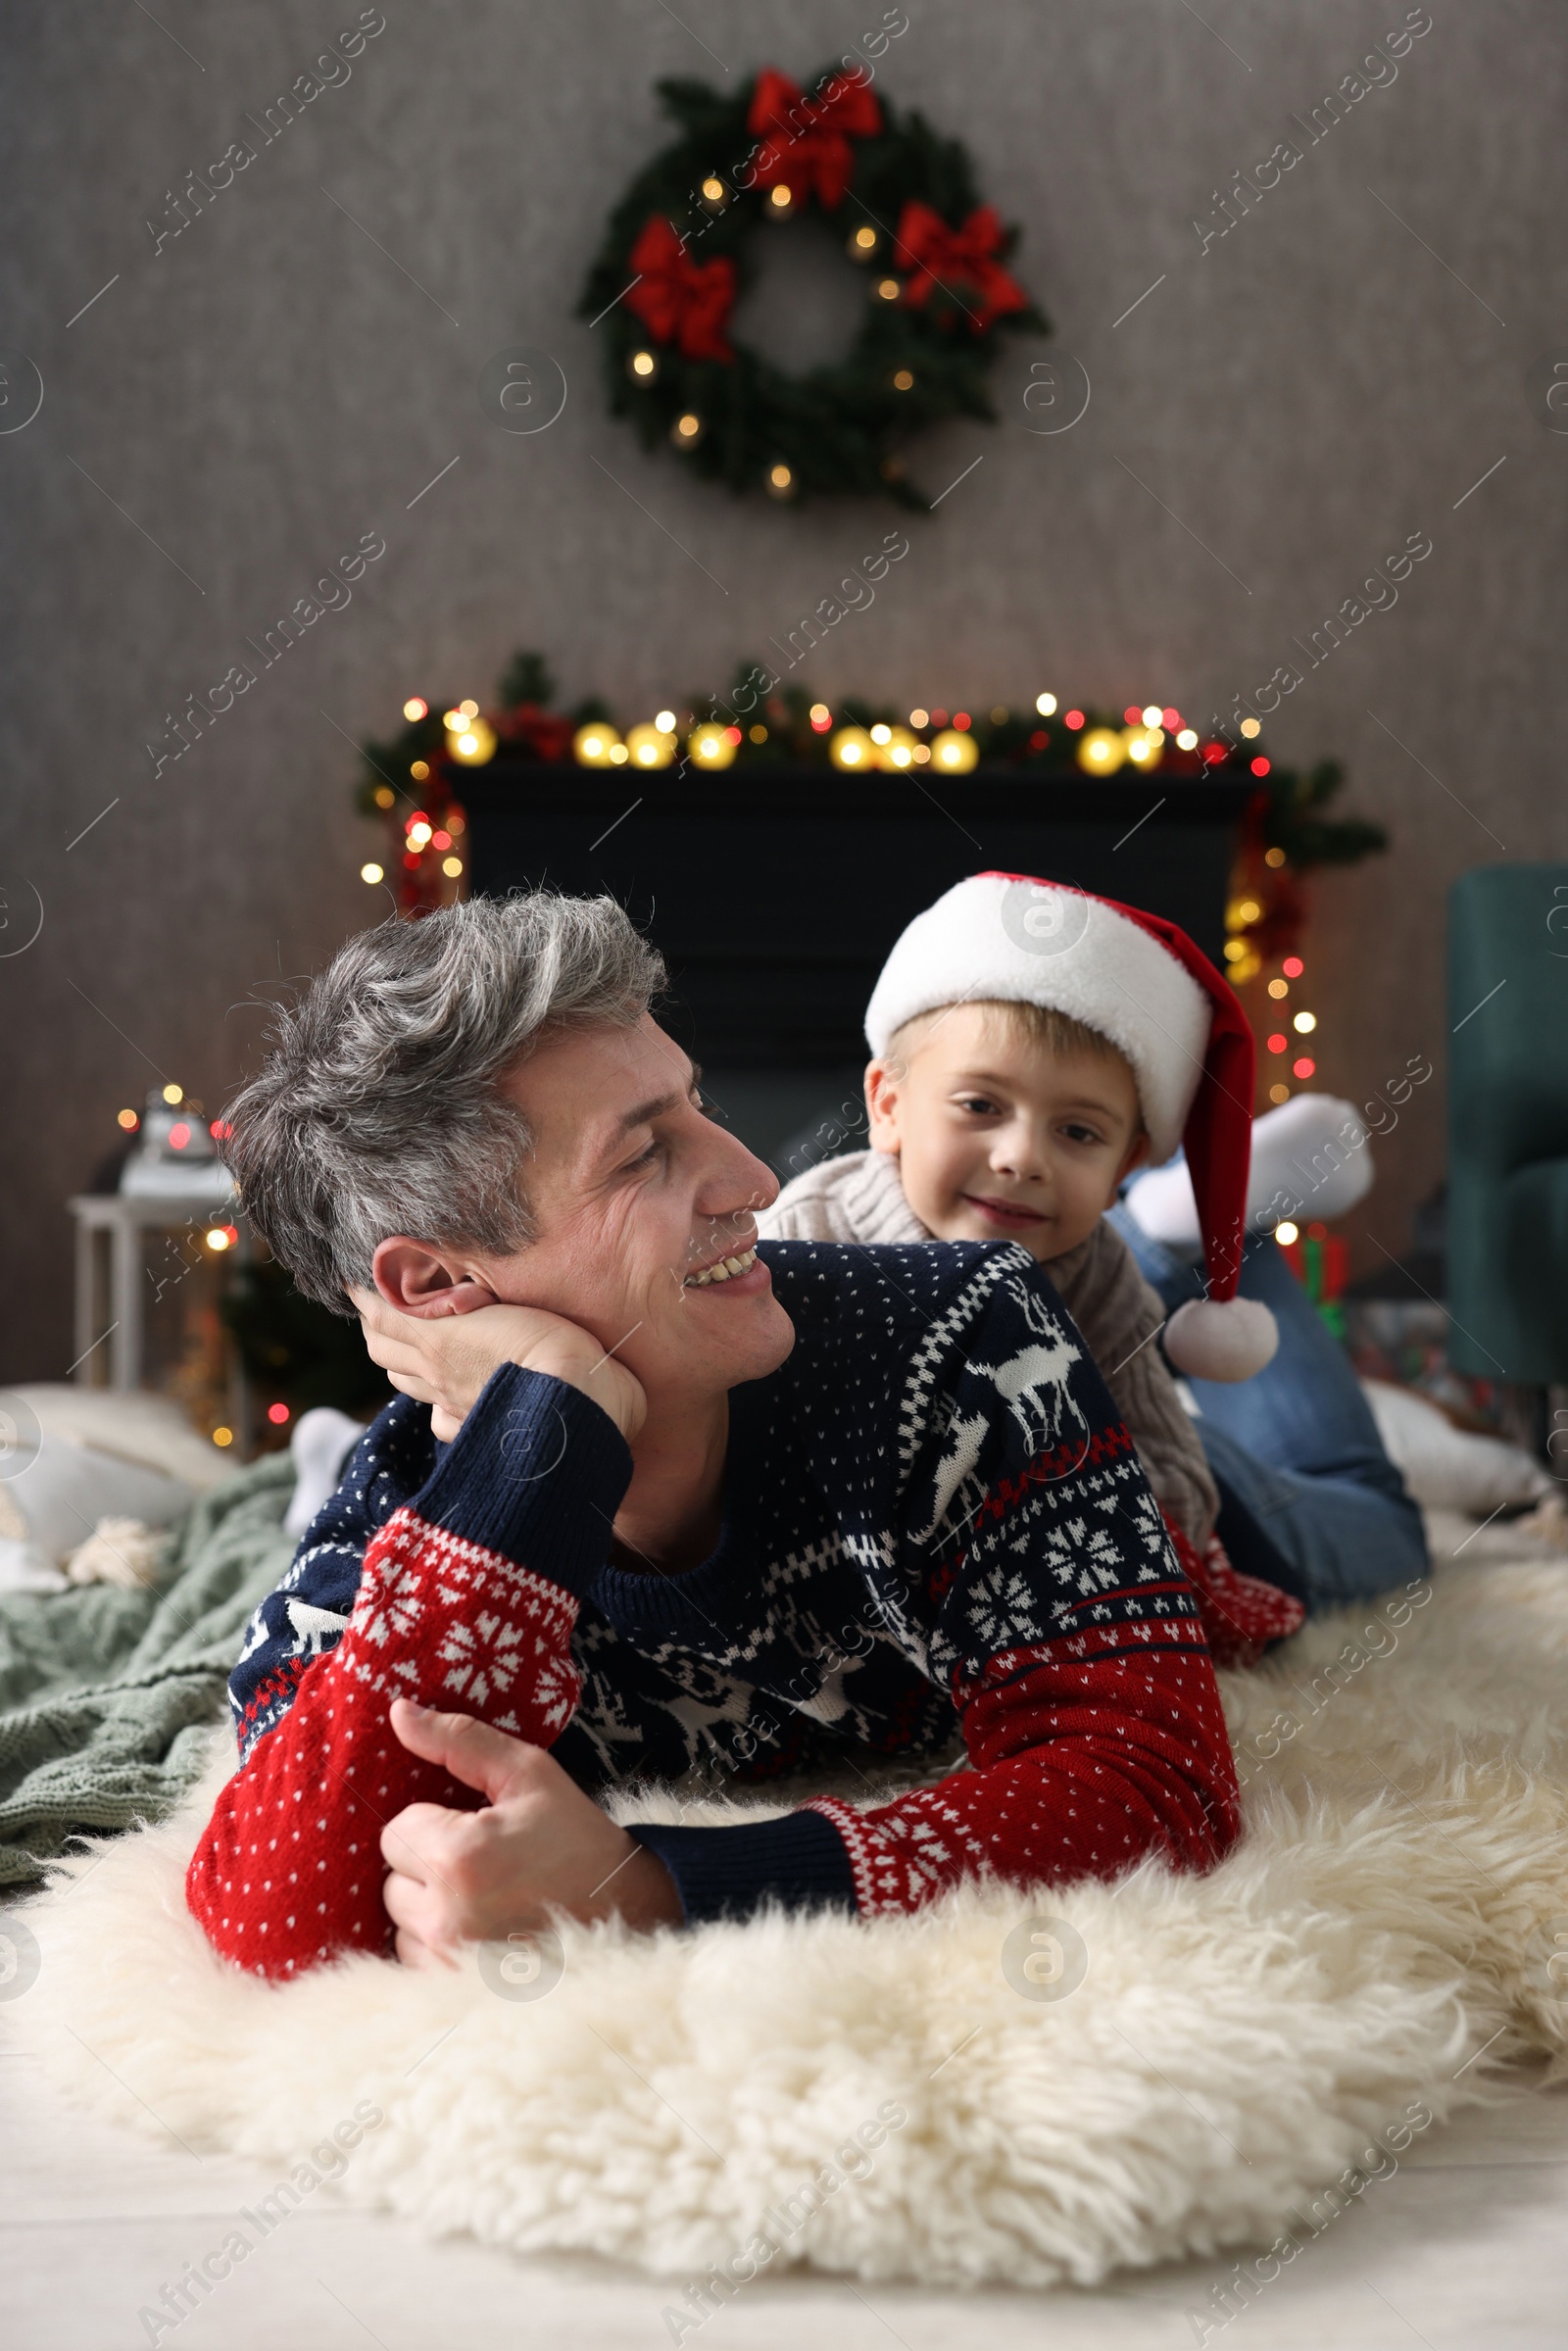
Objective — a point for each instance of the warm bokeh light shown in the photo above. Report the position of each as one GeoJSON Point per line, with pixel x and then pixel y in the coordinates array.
{"type": "Point", "coordinates": [592, 745]}
{"type": "Point", "coordinates": [415, 707]}
{"type": "Point", "coordinates": [218, 1237]}
{"type": "Point", "coordinates": [372, 872]}
{"type": "Point", "coordinates": [651, 746]}
{"type": "Point", "coordinates": [174, 1093]}
{"type": "Point", "coordinates": [222, 1437]}
{"type": "Point", "coordinates": [852, 748]}
{"type": "Point", "coordinates": [1102, 752]}
{"type": "Point", "coordinates": [129, 1120]}
{"type": "Point", "coordinates": [712, 747]}
{"type": "Point", "coordinates": [475, 745]}
{"type": "Point", "coordinates": [1279, 1042]}
{"type": "Point", "coordinates": [1279, 988]}
{"type": "Point", "coordinates": [1286, 1232]}
{"type": "Point", "coordinates": [1293, 968]}
{"type": "Point", "coordinates": [1251, 727]}
{"type": "Point", "coordinates": [1279, 1094]}
{"type": "Point", "coordinates": [452, 868]}
{"type": "Point", "coordinates": [665, 720]}
{"type": "Point", "coordinates": [822, 717]}
{"type": "Point", "coordinates": [1045, 705]}
{"type": "Point", "coordinates": [278, 1414]}
{"type": "Point", "coordinates": [1304, 1068]}
{"type": "Point", "coordinates": [1304, 1023]}
{"type": "Point", "coordinates": [954, 751]}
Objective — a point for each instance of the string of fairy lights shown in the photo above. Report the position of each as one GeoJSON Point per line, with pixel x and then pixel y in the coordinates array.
{"type": "Point", "coordinates": [935, 738]}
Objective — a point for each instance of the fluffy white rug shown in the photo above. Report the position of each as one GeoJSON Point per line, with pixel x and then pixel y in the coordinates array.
{"type": "Point", "coordinates": [1165, 2067]}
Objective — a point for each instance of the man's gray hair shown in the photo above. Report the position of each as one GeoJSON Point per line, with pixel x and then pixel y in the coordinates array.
{"type": "Point", "coordinates": [378, 1110]}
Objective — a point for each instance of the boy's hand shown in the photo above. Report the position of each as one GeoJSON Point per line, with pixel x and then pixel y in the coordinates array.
{"type": "Point", "coordinates": [446, 1362]}
{"type": "Point", "coordinates": [478, 1877]}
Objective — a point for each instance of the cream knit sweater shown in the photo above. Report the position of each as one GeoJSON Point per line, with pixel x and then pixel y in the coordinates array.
{"type": "Point", "coordinates": [860, 1199]}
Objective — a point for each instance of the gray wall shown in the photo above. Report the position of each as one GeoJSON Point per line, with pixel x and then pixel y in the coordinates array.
{"type": "Point", "coordinates": [1296, 400]}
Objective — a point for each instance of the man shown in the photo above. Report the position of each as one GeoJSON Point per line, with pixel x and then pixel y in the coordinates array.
{"type": "Point", "coordinates": [654, 1499]}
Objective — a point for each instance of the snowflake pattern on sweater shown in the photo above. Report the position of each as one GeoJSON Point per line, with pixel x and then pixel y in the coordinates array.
{"type": "Point", "coordinates": [934, 1523]}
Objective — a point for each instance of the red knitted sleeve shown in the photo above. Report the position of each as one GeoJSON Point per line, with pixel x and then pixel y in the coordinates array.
{"type": "Point", "coordinates": [289, 1870]}
{"type": "Point", "coordinates": [1079, 1762]}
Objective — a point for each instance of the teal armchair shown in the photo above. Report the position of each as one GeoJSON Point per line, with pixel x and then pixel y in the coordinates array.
{"type": "Point", "coordinates": [1507, 1242]}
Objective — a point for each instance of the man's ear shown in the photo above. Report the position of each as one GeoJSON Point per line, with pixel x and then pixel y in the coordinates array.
{"type": "Point", "coordinates": [884, 1078]}
{"type": "Point", "coordinates": [427, 1282]}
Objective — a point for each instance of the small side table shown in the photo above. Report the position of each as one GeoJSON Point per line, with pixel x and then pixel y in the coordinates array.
{"type": "Point", "coordinates": [111, 1313]}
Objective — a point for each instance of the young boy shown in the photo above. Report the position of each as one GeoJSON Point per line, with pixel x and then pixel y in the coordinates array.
{"type": "Point", "coordinates": [1030, 1048]}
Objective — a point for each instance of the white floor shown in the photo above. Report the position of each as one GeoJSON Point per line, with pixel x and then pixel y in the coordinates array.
{"type": "Point", "coordinates": [1464, 2248]}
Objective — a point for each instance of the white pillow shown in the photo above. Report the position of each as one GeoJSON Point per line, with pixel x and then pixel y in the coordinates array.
{"type": "Point", "coordinates": [151, 1430]}
{"type": "Point", "coordinates": [1448, 1468]}
{"type": "Point", "coordinates": [54, 1497]}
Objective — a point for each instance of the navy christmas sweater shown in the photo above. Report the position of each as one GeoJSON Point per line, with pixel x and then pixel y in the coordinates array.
{"type": "Point", "coordinates": [934, 1524]}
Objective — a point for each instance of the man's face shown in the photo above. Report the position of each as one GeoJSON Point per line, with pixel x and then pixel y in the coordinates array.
{"type": "Point", "coordinates": [635, 1195]}
{"type": "Point", "coordinates": [997, 1139]}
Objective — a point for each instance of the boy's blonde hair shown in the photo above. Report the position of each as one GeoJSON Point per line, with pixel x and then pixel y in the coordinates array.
{"type": "Point", "coordinates": [1043, 1026]}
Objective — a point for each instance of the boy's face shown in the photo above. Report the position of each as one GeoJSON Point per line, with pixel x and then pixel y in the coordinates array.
{"type": "Point", "coordinates": [999, 1139]}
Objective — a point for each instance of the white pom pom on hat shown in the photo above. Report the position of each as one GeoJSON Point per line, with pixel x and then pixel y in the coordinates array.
{"type": "Point", "coordinates": [1211, 1339]}
{"type": "Point", "coordinates": [1140, 982]}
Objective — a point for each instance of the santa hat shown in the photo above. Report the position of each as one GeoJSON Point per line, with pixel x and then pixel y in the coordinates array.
{"type": "Point", "coordinates": [1138, 981]}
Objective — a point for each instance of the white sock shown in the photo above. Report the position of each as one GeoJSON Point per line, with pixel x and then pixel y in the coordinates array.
{"type": "Point", "coordinates": [1306, 1163]}
{"type": "Point", "coordinates": [320, 1445]}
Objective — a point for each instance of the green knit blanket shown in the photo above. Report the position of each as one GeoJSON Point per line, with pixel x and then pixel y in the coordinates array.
{"type": "Point", "coordinates": [107, 1697]}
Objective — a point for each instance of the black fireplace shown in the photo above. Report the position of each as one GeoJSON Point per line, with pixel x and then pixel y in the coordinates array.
{"type": "Point", "coordinates": [774, 893]}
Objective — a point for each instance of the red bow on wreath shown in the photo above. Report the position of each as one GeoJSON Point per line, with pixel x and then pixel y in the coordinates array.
{"type": "Point", "coordinates": [944, 260]}
{"type": "Point", "coordinates": [679, 300]}
{"type": "Point", "coordinates": [809, 138]}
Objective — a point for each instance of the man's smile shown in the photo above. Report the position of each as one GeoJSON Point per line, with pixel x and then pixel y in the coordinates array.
{"type": "Point", "coordinates": [741, 1269]}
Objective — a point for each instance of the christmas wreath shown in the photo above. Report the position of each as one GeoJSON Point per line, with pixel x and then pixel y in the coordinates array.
{"type": "Point", "coordinates": [680, 249]}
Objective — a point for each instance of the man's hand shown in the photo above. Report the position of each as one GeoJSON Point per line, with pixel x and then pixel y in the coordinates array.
{"type": "Point", "coordinates": [446, 1362]}
{"type": "Point", "coordinates": [478, 1877]}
